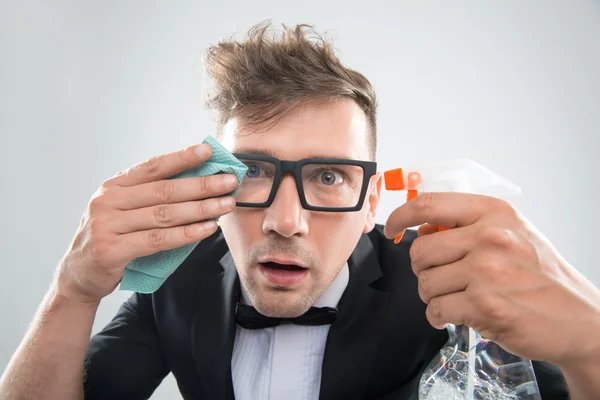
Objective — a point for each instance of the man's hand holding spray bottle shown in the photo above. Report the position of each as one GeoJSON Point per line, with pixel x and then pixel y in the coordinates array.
{"type": "Point", "coordinates": [468, 366]}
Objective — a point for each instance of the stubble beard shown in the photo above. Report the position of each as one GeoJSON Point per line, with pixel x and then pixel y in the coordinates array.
{"type": "Point", "coordinates": [274, 301]}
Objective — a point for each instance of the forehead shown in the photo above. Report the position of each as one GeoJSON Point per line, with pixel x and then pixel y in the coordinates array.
{"type": "Point", "coordinates": [336, 129]}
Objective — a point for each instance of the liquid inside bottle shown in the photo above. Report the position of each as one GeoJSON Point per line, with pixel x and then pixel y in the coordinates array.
{"type": "Point", "coordinates": [470, 367]}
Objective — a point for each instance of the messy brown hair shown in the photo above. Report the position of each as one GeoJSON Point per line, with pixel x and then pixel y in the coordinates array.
{"type": "Point", "coordinates": [271, 72]}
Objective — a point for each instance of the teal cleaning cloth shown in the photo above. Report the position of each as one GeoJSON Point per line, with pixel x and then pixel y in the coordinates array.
{"type": "Point", "coordinates": [147, 274]}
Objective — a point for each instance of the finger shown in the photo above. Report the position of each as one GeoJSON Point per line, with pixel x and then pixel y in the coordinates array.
{"type": "Point", "coordinates": [443, 280]}
{"type": "Point", "coordinates": [453, 308]}
{"type": "Point", "coordinates": [440, 248]}
{"type": "Point", "coordinates": [175, 191]}
{"type": "Point", "coordinates": [427, 229]}
{"type": "Point", "coordinates": [449, 210]}
{"type": "Point", "coordinates": [144, 243]}
{"type": "Point", "coordinates": [168, 215]}
{"type": "Point", "coordinates": [162, 167]}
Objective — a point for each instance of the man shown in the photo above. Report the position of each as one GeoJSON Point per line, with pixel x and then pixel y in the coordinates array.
{"type": "Point", "coordinates": [303, 235]}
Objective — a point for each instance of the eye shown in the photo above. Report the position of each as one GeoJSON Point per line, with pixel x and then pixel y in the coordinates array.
{"type": "Point", "coordinates": [253, 171]}
{"type": "Point", "coordinates": [331, 178]}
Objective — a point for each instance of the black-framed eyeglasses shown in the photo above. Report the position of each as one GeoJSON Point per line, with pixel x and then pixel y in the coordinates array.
{"type": "Point", "coordinates": [324, 184]}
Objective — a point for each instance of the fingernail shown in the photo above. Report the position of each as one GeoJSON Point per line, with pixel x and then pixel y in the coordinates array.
{"type": "Point", "coordinates": [230, 180]}
{"type": "Point", "coordinates": [227, 202]}
{"type": "Point", "coordinates": [201, 151]}
{"type": "Point", "coordinates": [399, 237]}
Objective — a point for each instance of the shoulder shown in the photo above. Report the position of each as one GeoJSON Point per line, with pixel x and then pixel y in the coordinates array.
{"type": "Point", "coordinates": [394, 259]}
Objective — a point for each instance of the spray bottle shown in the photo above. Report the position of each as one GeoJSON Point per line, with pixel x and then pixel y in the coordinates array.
{"type": "Point", "coordinates": [469, 366]}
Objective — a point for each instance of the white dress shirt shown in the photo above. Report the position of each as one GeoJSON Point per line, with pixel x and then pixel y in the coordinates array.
{"type": "Point", "coordinates": [283, 362]}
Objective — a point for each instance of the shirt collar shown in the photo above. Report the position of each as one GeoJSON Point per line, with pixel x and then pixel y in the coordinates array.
{"type": "Point", "coordinates": [329, 298]}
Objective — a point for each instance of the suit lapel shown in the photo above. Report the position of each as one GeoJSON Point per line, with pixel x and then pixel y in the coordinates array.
{"type": "Point", "coordinates": [353, 337]}
{"type": "Point", "coordinates": [213, 330]}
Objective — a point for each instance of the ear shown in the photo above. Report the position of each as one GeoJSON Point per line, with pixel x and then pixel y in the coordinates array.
{"type": "Point", "coordinates": [373, 197]}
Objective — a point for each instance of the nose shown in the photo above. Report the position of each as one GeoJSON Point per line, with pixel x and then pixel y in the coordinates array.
{"type": "Point", "coordinates": [285, 215]}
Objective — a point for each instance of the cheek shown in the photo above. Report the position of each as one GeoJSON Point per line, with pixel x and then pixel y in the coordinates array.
{"type": "Point", "coordinates": [240, 228]}
{"type": "Point", "coordinates": [337, 236]}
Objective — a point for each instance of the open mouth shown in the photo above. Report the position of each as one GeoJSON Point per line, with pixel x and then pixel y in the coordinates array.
{"type": "Point", "coordinates": [283, 275]}
{"type": "Point", "coordinates": [285, 267]}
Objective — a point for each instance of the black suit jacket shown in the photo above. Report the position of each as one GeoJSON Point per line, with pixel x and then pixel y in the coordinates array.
{"type": "Point", "coordinates": [376, 349]}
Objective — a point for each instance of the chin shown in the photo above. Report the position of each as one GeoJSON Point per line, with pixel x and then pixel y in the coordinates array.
{"type": "Point", "coordinates": [279, 303]}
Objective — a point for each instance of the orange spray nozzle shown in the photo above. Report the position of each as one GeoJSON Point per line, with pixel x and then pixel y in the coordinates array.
{"type": "Point", "coordinates": [394, 179]}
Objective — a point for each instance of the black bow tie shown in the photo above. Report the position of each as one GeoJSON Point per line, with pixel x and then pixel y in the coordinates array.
{"type": "Point", "coordinates": [247, 317]}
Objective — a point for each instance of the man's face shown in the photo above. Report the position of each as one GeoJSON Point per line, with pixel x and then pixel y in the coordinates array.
{"type": "Point", "coordinates": [269, 245]}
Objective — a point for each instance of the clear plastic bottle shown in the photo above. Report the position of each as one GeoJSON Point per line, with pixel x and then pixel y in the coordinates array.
{"type": "Point", "coordinates": [469, 366]}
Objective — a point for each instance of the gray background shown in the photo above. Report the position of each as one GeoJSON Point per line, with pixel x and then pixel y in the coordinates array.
{"type": "Point", "coordinates": [89, 88]}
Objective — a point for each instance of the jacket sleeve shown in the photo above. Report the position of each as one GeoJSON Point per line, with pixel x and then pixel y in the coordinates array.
{"type": "Point", "coordinates": [124, 360]}
{"type": "Point", "coordinates": [550, 381]}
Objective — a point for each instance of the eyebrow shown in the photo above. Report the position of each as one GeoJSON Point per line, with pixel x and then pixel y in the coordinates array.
{"type": "Point", "coordinates": [269, 153]}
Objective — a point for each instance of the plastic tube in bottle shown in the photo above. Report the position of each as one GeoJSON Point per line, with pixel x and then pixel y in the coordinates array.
{"type": "Point", "coordinates": [469, 366]}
